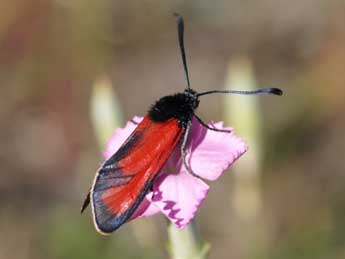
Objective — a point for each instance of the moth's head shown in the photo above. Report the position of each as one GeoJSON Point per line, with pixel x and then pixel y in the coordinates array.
{"type": "Point", "coordinates": [192, 98]}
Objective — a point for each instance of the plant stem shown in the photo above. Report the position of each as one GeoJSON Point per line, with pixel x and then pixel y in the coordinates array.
{"type": "Point", "coordinates": [186, 243]}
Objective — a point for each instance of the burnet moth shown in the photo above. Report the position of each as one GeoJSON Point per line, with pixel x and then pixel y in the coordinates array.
{"type": "Point", "coordinates": [123, 181]}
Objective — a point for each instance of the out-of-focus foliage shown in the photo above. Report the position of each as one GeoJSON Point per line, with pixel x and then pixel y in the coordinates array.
{"type": "Point", "coordinates": [53, 52]}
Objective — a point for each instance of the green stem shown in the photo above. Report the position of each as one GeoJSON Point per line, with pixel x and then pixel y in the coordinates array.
{"type": "Point", "coordinates": [186, 243]}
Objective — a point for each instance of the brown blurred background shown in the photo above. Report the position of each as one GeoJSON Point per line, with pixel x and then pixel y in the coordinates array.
{"type": "Point", "coordinates": [52, 53]}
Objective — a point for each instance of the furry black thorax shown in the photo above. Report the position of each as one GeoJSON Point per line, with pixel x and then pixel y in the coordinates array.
{"type": "Point", "coordinates": [180, 106]}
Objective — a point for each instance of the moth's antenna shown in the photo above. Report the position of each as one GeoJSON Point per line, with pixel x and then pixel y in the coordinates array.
{"type": "Point", "coordinates": [275, 91]}
{"type": "Point", "coordinates": [180, 31]}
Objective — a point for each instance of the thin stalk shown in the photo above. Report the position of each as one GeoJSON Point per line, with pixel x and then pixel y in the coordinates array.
{"type": "Point", "coordinates": [186, 243]}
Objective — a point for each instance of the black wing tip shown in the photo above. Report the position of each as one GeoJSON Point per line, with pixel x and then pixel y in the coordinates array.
{"type": "Point", "coordinates": [106, 222]}
{"type": "Point", "coordinates": [104, 231]}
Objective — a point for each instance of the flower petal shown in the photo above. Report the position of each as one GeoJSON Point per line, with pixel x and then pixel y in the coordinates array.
{"type": "Point", "coordinates": [179, 196]}
{"type": "Point", "coordinates": [210, 152]}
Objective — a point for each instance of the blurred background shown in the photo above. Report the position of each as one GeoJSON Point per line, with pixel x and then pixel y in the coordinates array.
{"type": "Point", "coordinates": [64, 63]}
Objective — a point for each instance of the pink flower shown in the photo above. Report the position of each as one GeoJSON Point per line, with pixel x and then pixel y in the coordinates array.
{"type": "Point", "coordinates": [176, 193]}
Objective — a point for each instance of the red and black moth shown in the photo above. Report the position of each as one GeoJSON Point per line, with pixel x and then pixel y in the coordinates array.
{"type": "Point", "coordinates": [123, 181]}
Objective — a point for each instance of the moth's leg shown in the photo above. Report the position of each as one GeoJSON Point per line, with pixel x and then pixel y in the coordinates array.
{"type": "Point", "coordinates": [184, 151]}
{"type": "Point", "coordinates": [208, 127]}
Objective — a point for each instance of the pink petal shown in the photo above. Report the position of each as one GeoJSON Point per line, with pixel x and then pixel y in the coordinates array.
{"type": "Point", "coordinates": [179, 196]}
{"type": "Point", "coordinates": [210, 152]}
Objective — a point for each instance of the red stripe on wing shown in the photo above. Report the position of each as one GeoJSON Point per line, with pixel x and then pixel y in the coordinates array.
{"type": "Point", "coordinates": [125, 178]}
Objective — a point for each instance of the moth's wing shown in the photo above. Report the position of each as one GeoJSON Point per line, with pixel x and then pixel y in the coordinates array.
{"type": "Point", "coordinates": [126, 177]}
